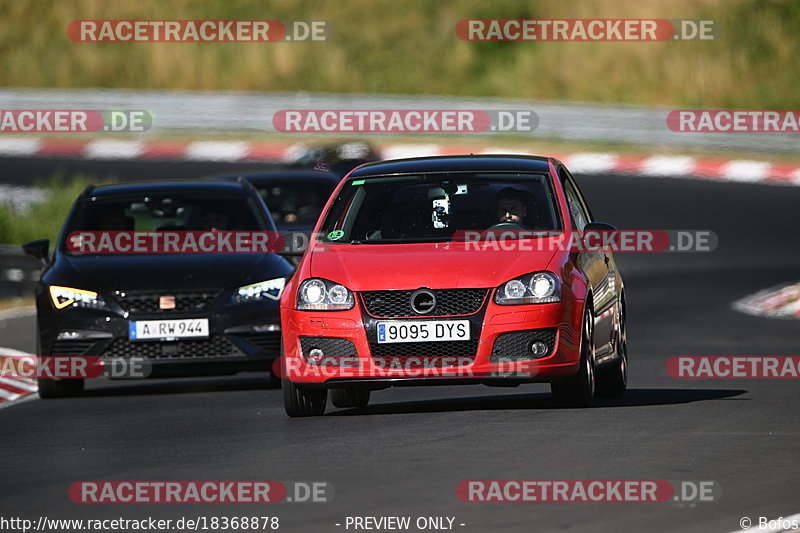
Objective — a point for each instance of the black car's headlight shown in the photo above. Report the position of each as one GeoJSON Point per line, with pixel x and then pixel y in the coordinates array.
{"type": "Point", "coordinates": [263, 290]}
{"type": "Point", "coordinates": [67, 297]}
{"type": "Point", "coordinates": [535, 288]}
{"type": "Point", "coordinates": [322, 295]}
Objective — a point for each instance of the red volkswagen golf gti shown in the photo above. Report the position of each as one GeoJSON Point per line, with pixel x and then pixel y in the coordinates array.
{"type": "Point", "coordinates": [462, 269]}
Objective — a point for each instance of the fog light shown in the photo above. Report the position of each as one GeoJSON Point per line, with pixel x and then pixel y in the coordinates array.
{"type": "Point", "coordinates": [315, 355]}
{"type": "Point", "coordinates": [538, 348]}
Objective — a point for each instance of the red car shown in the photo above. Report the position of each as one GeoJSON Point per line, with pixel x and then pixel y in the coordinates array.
{"type": "Point", "coordinates": [460, 269]}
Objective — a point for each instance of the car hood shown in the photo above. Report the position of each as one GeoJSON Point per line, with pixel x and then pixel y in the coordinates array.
{"type": "Point", "coordinates": [154, 272]}
{"type": "Point", "coordinates": [363, 267]}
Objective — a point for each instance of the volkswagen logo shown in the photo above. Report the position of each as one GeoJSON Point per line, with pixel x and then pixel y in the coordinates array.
{"type": "Point", "coordinates": [423, 301]}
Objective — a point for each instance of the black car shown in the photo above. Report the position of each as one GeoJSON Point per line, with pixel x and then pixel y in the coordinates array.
{"type": "Point", "coordinates": [90, 304]}
{"type": "Point", "coordinates": [295, 198]}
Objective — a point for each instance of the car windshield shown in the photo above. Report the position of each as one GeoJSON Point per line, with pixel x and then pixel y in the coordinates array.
{"type": "Point", "coordinates": [439, 207]}
{"type": "Point", "coordinates": [295, 204]}
{"type": "Point", "coordinates": [168, 212]}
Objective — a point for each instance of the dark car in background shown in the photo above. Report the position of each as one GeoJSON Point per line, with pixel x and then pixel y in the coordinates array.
{"type": "Point", "coordinates": [339, 158]}
{"type": "Point", "coordinates": [295, 198]}
{"type": "Point", "coordinates": [225, 306]}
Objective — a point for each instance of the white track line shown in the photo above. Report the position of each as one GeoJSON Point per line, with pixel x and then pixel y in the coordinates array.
{"type": "Point", "coordinates": [777, 302]}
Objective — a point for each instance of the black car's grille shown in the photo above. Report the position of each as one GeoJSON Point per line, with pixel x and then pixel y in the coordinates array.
{"type": "Point", "coordinates": [266, 342]}
{"type": "Point", "coordinates": [215, 346]}
{"type": "Point", "coordinates": [449, 302]}
{"type": "Point", "coordinates": [336, 352]}
{"type": "Point", "coordinates": [515, 345]}
{"type": "Point", "coordinates": [149, 302]}
{"type": "Point", "coordinates": [64, 348]}
{"type": "Point", "coordinates": [410, 355]}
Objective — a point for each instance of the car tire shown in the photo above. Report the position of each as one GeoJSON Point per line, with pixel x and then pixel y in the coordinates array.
{"type": "Point", "coordinates": [612, 381]}
{"type": "Point", "coordinates": [578, 390]}
{"type": "Point", "coordinates": [303, 401]}
{"type": "Point", "coordinates": [59, 388]}
{"type": "Point", "coordinates": [351, 397]}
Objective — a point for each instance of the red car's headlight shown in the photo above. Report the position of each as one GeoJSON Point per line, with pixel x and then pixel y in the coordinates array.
{"type": "Point", "coordinates": [536, 288]}
{"type": "Point", "coordinates": [322, 295]}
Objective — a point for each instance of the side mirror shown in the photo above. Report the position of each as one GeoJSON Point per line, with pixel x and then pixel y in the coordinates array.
{"type": "Point", "coordinates": [597, 233]}
{"type": "Point", "coordinates": [38, 249]}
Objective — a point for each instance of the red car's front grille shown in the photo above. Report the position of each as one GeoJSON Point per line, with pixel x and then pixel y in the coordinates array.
{"type": "Point", "coordinates": [449, 302]}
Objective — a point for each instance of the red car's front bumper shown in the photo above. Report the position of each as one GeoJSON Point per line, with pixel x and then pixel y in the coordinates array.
{"type": "Point", "coordinates": [350, 325]}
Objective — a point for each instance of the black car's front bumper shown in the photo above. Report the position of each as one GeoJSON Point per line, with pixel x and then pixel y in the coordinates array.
{"type": "Point", "coordinates": [242, 337]}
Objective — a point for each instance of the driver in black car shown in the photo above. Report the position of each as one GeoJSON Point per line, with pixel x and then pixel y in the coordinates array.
{"type": "Point", "coordinates": [510, 206]}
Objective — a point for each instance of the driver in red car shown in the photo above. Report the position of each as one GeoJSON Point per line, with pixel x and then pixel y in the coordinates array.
{"type": "Point", "coordinates": [510, 207]}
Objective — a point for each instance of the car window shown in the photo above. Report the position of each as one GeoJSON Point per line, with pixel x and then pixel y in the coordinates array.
{"type": "Point", "coordinates": [577, 210]}
{"type": "Point", "coordinates": [436, 207]}
{"type": "Point", "coordinates": [169, 212]}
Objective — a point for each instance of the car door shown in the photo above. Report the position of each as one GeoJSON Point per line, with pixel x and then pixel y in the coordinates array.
{"type": "Point", "coordinates": [597, 266]}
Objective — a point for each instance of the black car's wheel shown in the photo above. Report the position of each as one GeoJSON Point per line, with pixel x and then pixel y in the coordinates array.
{"type": "Point", "coordinates": [59, 388]}
{"type": "Point", "coordinates": [350, 397]}
{"type": "Point", "coordinates": [612, 381]}
{"type": "Point", "coordinates": [578, 390]}
{"type": "Point", "coordinates": [303, 401]}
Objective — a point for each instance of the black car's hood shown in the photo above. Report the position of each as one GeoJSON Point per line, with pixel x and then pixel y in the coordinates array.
{"type": "Point", "coordinates": [154, 272]}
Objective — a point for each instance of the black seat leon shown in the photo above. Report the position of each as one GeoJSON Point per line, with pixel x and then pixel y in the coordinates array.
{"type": "Point", "coordinates": [220, 311]}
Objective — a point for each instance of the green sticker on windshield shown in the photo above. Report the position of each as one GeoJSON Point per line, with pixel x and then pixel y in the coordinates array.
{"type": "Point", "coordinates": [335, 235]}
{"type": "Point", "coordinates": [358, 182]}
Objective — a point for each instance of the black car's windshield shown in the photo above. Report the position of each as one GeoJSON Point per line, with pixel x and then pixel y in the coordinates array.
{"type": "Point", "coordinates": [169, 212]}
{"type": "Point", "coordinates": [439, 207]}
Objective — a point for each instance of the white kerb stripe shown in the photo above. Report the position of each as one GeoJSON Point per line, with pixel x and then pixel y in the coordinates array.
{"type": "Point", "coordinates": [663, 165]}
{"type": "Point", "coordinates": [746, 171]}
{"type": "Point", "coordinates": [402, 151]}
{"type": "Point", "coordinates": [112, 149]}
{"type": "Point", "coordinates": [587, 163]}
{"type": "Point", "coordinates": [217, 151]}
{"type": "Point", "coordinates": [20, 146]}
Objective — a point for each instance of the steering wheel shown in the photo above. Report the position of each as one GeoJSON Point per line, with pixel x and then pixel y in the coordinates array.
{"type": "Point", "coordinates": [510, 226]}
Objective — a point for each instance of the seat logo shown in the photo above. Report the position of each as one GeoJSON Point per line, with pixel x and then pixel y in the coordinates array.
{"type": "Point", "coordinates": [423, 301]}
{"type": "Point", "coordinates": [166, 302]}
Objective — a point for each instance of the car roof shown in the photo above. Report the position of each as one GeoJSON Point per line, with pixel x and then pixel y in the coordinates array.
{"type": "Point", "coordinates": [217, 186]}
{"type": "Point", "coordinates": [456, 163]}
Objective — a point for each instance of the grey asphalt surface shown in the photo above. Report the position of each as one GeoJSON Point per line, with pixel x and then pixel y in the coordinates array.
{"type": "Point", "coordinates": [405, 455]}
